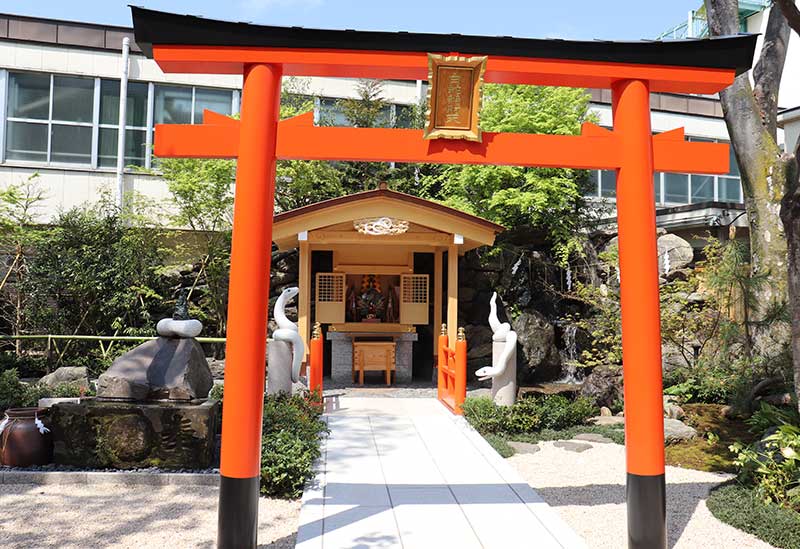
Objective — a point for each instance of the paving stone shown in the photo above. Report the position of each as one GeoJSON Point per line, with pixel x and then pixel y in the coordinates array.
{"type": "Point", "coordinates": [593, 437]}
{"type": "Point", "coordinates": [524, 447]}
{"type": "Point", "coordinates": [572, 446]}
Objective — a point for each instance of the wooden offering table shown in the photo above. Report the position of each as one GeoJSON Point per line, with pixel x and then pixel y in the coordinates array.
{"type": "Point", "coordinates": [373, 356]}
{"type": "Point", "coordinates": [373, 340]}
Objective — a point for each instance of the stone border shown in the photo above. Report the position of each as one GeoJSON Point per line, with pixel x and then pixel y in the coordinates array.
{"type": "Point", "coordinates": [105, 477]}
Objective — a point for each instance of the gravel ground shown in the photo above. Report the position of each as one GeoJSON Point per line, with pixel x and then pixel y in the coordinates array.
{"type": "Point", "coordinates": [128, 517]}
{"type": "Point", "coordinates": [588, 491]}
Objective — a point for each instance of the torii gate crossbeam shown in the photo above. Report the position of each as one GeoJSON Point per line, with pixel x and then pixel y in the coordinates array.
{"type": "Point", "coordinates": [263, 54]}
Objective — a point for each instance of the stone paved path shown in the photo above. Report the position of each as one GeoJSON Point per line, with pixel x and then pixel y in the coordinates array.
{"type": "Point", "coordinates": [404, 472]}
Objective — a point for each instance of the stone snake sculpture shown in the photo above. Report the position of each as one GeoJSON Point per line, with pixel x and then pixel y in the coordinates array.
{"type": "Point", "coordinates": [287, 331]}
{"type": "Point", "coordinates": [502, 332]}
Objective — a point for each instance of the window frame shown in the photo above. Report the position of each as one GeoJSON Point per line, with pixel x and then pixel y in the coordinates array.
{"type": "Point", "coordinates": [95, 124]}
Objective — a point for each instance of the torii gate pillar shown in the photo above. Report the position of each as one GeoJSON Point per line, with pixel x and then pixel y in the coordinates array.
{"type": "Point", "coordinates": [248, 300]}
{"type": "Point", "coordinates": [641, 320]}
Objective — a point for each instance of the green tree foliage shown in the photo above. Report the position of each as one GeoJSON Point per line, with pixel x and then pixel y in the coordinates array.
{"type": "Point", "coordinates": [512, 195]}
{"type": "Point", "coordinates": [368, 110]}
{"type": "Point", "coordinates": [19, 204]}
{"type": "Point", "coordinates": [96, 271]}
{"type": "Point", "coordinates": [302, 182]}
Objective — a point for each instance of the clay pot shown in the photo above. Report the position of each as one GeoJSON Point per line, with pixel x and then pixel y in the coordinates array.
{"type": "Point", "coordinates": [21, 443]}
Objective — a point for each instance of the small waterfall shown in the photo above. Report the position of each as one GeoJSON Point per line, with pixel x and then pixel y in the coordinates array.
{"type": "Point", "coordinates": [570, 373]}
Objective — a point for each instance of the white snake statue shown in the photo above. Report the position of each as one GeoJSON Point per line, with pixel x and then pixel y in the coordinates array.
{"type": "Point", "coordinates": [287, 331]}
{"type": "Point", "coordinates": [502, 332]}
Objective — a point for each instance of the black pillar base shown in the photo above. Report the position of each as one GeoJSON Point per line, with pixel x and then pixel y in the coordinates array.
{"type": "Point", "coordinates": [647, 512]}
{"type": "Point", "coordinates": [237, 526]}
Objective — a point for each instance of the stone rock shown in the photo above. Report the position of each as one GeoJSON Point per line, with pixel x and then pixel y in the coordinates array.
{"type": "Point", "coordinates": [603, 385]}
{"type": "Point", "coordinates": [677, 431]}
{"type": "Point", "coordinates": [283, 278]}
{"type": "Point", "coordinates": [679, 250]}
{"type": "Point", "coordinates": [728, 412]}
{"type": "Point", "coordinates": [593, 437]}
{"type": "Point", "coordinates": [607, 420]}
{"type": "Point", "coordinates": [162, 368]}
{"type": "Point", "coordinates": [479, 351]}
{"type": "Point", "coordinates": [620, 414]}
{"type": "Point", "coordinates": [67, 374]}
{"type": "Point", "coordinates": [605, 412]}
{"type": "Point", "coordinates": [169, 327]}
{"type": "Point", "coordinates": [571, 446]}
{"type": "Point", "coordinates": [538, 359]}
{"type": "Point", "coordinates": [478, 335]}
{"type": "Point", "coordinates": [673, 411]}
{"type": "Point", "coordinates": [466, 294]}
{"type": "Point", "coordinates": [217, 367]}
{"type": "Point", "coordinates": [127, 435]}
{"type": "Point", "coordinates": [524, 447]}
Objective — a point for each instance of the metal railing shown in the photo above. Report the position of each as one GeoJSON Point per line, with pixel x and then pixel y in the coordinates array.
{"type": "Point", "coordinates": [52, 341]}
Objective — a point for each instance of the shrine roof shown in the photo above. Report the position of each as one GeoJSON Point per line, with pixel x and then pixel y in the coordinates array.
{"type": "Point", "coordinates": [384, 202]}
{"type": "Point", "coordinates": [164, 29]}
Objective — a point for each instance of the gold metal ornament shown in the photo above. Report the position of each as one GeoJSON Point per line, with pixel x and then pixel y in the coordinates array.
{"type": "Point", "coordinates": [454, 97]}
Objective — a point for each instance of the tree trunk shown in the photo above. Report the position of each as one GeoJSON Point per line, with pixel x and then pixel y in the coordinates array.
{"type": "Point", "coordinates": [750, 115]}
{"type": "Point", "coordinates": [790, 215]}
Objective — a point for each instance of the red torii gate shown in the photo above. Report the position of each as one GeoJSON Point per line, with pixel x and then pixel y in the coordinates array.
{"type": "Point", "coordinates": [186, 44]}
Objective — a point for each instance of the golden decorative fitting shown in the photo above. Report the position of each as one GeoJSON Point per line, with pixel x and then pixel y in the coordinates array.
{"type": "Point", "coordinates": [444, 329]}
{"type": "Point", "coordinates": [462, 335]}
{"type": "Point", "coordinates": [317, 333]}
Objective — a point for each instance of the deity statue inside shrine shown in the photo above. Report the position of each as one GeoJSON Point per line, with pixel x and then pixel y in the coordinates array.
{"type": "Point", "coordinates": [371, 302]}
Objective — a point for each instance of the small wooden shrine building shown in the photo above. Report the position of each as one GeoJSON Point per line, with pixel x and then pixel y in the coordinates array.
{"type": "Point", "coordinates": [372, 268]}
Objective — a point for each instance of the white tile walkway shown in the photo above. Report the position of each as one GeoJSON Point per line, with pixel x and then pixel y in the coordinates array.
{"type": "Point", "coordinates": [405, 473]}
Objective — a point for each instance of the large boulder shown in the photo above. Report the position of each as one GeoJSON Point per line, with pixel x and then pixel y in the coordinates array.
{"type": "Point", "coordinates": [537, 356]}
{"type": "Point", "coordinates": [604, 385]}
{"type": "Point", "coordinates": [76, 375]}
{"type": "Point", "coordinates": [132, 435]}
{"type": "Point", "coordinates": [162, 368]}
{"type": "Point", "coordinates": [677, 431]}
{"type": "Point", "coordinates": [680, 252]}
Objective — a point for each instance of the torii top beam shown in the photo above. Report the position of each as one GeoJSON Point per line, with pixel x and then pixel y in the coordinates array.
{"type": "Point", "coordinates": [189, 44]}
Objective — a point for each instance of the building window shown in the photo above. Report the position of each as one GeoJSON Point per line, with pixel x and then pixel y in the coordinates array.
{"type": "Point", "coordinates": [185, 105]}
{"type": "Point", "coordinates": [702, 188]}
{"type": "Point", "coordinates": [55, 119]}
{"type": "Point", "coordinates": [135, 124]}
{"type": "Point", "coordinates": [329, 113]}
{"type": "Point", "coordinates": [608, 183]}
{"type": "Point", "coordinates": [49, 118]}
{"type": "Point", "coordinates": [676, 188]}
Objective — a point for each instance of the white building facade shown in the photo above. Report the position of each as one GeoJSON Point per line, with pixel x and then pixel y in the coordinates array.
{"type": "Point", "coordinates": [59, 117]}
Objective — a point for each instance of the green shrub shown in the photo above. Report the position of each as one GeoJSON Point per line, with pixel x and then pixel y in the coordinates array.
{"type": "Point", "coordinates": [558, 412]}
{"type": "Point", "coordinates": [25, 365]}
{"type": "Point", "coordinates": [216, 392]}
{"type": "Point", "coordinates": [522, 417]}
{"type": "Point", "coordinates": [527, 415]}
{"type": "Point", "coordinates": [500, 445]}
{"type": "Point", "coordinates": [773, 468]}
{"type": "Point", "coordinates": [13, 393]}
{"type": "Point", "coordinates": [484, 415]}
{"type": "Point", "coordinates": [291, 442]}
{"type": "Point", "coordinates": [768, 416]}
{"type": "Point", "coordinates": [743, 509]}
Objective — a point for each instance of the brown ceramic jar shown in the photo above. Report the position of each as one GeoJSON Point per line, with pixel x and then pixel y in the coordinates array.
{"type": "Point", "coordinates": [21, 443]}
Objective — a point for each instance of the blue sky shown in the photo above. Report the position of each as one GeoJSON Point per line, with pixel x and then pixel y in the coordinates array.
{"type": "Point", "coordinates": [578, 19]}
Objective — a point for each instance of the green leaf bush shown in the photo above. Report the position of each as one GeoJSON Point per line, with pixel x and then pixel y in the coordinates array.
{"type": "Point", "coordinates": [772, 466]}
{"type": "Point", "coordinates": [292, 429]}
{"type": "Point", "coordinates": [528, 415]}
{"type": "Point", "coordinates": [16, 394]}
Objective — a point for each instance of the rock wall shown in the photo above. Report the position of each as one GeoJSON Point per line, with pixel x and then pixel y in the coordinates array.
{"type": "Point", "coordinates": [532, 290]}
